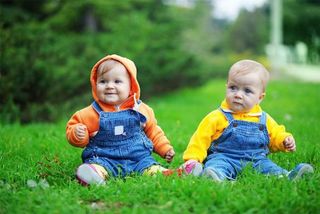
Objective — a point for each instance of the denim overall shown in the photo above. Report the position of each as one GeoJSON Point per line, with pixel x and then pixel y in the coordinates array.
{"type": "Point", "coordinates": [242, 142]}
{"type": "Point", "coordinates": [120, 145]}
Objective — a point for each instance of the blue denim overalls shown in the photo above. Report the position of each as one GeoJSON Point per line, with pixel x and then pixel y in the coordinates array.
{"type": "Point", "coordinates": [120, 145]}
{"type": "Point", "coordinates": [242, 142]}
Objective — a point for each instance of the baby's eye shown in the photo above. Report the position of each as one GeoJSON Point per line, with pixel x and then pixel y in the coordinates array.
{"type": "Point", "coordinates": [247, 90]}
{"type": "Point", "coordinates": [232, 87]}
{"type": "Point", "coordinates": [118, 81]}
{"type": "Point", "coordinates": [102, 81]}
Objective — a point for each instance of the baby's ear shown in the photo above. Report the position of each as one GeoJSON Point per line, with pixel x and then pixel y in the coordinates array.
{"type": "Point", "coordinates": [261, 97]}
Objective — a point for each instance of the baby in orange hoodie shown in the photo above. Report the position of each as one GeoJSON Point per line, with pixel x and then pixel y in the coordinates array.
{"type": "Point", "coordinates": [119, 131]}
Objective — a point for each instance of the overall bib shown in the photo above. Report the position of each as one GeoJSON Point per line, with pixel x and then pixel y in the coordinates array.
{"type": "Point", "coordinates": [120, 146]}
{"type": "Point", "coordinates": [242, 142]}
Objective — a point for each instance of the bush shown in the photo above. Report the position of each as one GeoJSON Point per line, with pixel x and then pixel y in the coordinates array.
{"type": "Point", "coordinates": [45, 64]}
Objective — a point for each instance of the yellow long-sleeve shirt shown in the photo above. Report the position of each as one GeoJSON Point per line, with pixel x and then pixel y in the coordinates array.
{"type": "Point", "coordinates": [213, 125]}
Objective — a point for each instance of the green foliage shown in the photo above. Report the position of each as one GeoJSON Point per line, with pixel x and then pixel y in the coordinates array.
{"type": "Point", "coordinates": [40, 151]}
{"type": "Point", "coordinates": [48, 47]}
{"type": "Point", "coordinates": [302, 14]}
{"type": "Point", "coordinates": [250, 32]}
{"type": "Point", "coordinates": [46, 59]}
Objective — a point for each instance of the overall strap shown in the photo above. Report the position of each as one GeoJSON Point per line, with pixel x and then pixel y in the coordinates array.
{"type": "Point", "coordinates": [263, 118]}
{"type": "Point", "coordinates": [136, 107]}
{"type": "Point", "coordinates": [96, 107]}
{"type": "Point", "coordinates": [228, 115]}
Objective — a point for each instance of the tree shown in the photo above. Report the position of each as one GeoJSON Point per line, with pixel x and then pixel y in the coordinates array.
{"type": "Point", "coordinates": [301, 23]}
{"type": "Point", "coordinates": [46, 57]}
{"type": "Point", "coordinates": [250, 31]}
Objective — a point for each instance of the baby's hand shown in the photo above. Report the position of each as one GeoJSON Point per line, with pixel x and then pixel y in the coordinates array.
{"type": "Point", "coordinates": [169, 155]}
{"type": "Point", "coordinates": [289, 144]}
{"type": "Point", "coordinates": [80, 131]}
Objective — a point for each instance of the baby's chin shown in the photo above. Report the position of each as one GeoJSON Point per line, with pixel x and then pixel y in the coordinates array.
{"type": "Point", "coordinates": [239, 110]}
{"type": "Point", "coordinates": [112, 102]}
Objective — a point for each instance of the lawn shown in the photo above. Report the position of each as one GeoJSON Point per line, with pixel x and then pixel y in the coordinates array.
{"type": "Point", "coordinates": [37, 164]}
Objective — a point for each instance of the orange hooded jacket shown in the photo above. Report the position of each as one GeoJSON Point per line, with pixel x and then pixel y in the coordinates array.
{"type": "Point", "coordinates": [89, 117]}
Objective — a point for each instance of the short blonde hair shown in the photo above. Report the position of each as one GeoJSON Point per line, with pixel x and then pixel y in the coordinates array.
{"type": "Point", "coordinates": [247, 66]}
{"type": "Point", "coordinates": [107, 66]}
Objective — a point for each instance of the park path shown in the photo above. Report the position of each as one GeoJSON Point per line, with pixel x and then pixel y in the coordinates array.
{"type": "Point", "coordinates": [305, 73]}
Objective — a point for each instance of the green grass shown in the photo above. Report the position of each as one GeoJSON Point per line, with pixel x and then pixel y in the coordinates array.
{"type": "Point", "coordinates": [40, 151]}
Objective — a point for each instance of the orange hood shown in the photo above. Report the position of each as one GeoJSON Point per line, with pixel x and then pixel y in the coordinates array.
{"type": "Point", "coordinates": [131, 69]}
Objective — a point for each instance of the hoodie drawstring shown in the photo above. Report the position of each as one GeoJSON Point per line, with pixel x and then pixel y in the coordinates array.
{"type": "Point", "coordinates": [136, 104]}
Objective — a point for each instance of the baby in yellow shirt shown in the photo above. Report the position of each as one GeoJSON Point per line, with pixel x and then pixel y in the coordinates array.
{"type": "Point", "coordinates": [239, 132]}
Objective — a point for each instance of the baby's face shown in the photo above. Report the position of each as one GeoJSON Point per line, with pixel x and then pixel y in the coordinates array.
{"type": "Point", "coordinates": [113, 86]}
{"type": "Point", "coordinates": [244, 92]}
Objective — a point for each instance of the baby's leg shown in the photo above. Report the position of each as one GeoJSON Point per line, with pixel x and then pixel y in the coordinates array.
{"type": "Point", "coordinates": [91, 174]}
{"type": "Point", "coordinates": [220, 167]}
{"type": "Point", "coordinates": [267, 167]}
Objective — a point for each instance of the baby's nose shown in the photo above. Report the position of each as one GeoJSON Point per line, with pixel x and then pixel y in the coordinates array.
{"type": "Point", "coordinates": [238, 94]}
{"type": "Point", "coordinates": [109, 85]}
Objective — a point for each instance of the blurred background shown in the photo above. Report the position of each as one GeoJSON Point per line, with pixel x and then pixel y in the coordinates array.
{"type": "Point", "coordinates": [48, 47]}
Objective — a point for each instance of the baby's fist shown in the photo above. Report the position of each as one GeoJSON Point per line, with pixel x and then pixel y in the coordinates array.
{"type": "Point", "coordinates": [80, 131]}
{"type": "Point", "coordinates": [169, 155]}
{"type": "Point", "coordinates": [289, 144]}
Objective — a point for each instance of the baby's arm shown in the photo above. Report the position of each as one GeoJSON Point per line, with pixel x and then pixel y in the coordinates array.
{"type": "Point", "coordinates": [201, 139]}
{"type": "Point", "coordinates": [76, 132]}
{"type": "Point", "coordinates": [289, 144]}
{"type": "Point", "coordinates": [161, 144]}
{"type": "Point", "coordinates": [278, 136]}
{"type": "Point", "coordinates": [81, 126]}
